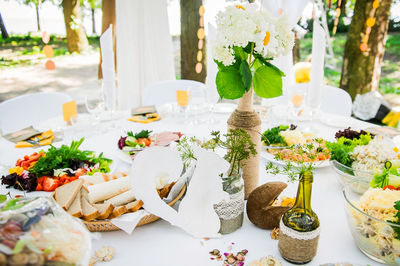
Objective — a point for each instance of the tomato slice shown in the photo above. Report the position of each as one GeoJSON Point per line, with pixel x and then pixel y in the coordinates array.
{"type": "Point", "coordinates": [389, 187]}
{"type": "Point", "coordinates": [50, 184]}
{"type": "Point", "coordinates": [39, 187]}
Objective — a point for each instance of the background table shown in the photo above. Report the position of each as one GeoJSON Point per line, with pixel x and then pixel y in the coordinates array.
{"type": "Point", "coordinates": [160, 243]}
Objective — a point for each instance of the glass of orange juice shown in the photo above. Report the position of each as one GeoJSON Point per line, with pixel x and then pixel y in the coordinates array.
{"type": "Point", "coordinates": [183, 98]}
{"type": "Point", "coordinates": [297, 97]}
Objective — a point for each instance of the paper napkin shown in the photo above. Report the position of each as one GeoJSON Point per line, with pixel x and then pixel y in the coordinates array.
{"type": "Point", "coordinates": [146, 118]}
{"type": "Point", "coordinates": [30, 137]}
{"type": "Point", "coordinates": [108, 69]}
{"type": "Point", "coordinates": [314, 95]}
{"type": "Point", "coordinates": [42, 139]}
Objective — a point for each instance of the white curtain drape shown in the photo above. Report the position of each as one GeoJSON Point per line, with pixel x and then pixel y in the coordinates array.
{"type": "Point", "coordinates": [144, 48]}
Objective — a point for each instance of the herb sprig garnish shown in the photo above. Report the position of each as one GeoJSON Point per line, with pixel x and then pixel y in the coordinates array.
{"type": "Point", "coordinates": [185, 147]}
{"type": "Point", "coordinates": [295, 169]}
{"type": "Point", "coordinates": [397, 216]}
{"type": "Point", "coordinates": [238, 145]}
{"type": "Point", "coordinates": [141, 135]}
{"type": "Point", "coordinates": [68, 157]}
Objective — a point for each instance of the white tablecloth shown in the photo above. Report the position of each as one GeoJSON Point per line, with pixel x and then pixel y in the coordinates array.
{"type": "Point", "coordinates": [160, 243]}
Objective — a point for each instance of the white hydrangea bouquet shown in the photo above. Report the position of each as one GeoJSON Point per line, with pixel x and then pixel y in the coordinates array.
{"type": "Point", "coordinates": [248, 37]}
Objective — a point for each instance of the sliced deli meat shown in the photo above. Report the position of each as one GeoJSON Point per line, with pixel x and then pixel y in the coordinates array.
{"type": "Point", "coordinates": [165, 138]}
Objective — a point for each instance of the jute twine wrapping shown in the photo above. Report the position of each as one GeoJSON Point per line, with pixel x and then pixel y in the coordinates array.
{"type": "Point", "coordinates": [297, 250]}
{"type": "Point", "coordinates": [244, 117]}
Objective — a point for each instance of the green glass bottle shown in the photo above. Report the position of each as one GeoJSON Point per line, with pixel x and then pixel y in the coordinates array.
{"type": "Point", "coordinates": [299, 226]}
{"type": "Point", "coordinates": [301, 217]}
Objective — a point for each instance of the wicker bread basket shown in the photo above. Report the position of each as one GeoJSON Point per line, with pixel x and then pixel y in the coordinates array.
{"type": "Point", "coordinates": [106, 225]}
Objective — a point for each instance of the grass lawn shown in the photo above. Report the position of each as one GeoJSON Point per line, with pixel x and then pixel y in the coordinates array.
{"type": "Point", "coordinates": [25, 50]}
{"type": "Point", "coordinates": [390, 75]}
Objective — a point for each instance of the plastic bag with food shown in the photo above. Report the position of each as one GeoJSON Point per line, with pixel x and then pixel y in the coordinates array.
{"type": "Point", "coordinates": [37, 231]}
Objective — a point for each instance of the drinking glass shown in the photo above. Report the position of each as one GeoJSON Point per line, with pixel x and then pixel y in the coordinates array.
{"type": "Point", "coordinates": [183, 98]}
{"type": "Point", "coordinates": [212, 98]}
{"type": "Point", "coordinates": [297, 95]}
{"type": "Point", "coordinates": [95, 106]}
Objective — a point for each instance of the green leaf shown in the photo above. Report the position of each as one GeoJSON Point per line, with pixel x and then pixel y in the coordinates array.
{"type": "Point", "coordinates": [397, 205]}
{"type": "Point", "coordinates": [240, 53]}
{"type": "Point", "coordinates": [19, 247]}
{"type": "Point", "coordinates": [257, 63]}
{"type": "Point", "coordinates": [267, 82]}
{"type": "Point", "coordinates": [247, 49]}
{"type": "Point", "coordinates": [245, 73]}
{"type": "Point", "coordinates": [3, 198]}
{"type": "Point", "coordinates": [276, 69]}
{"type": "Point", "coordinates": [230, 84]}
{"type": "Point", "coordinates": [266, 63]}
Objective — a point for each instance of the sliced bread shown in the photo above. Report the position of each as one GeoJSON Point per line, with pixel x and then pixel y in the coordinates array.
{"type": "Point", "coordinates": [76, 209]}
{"type": "Point", "coordinates": [122, 198]}
{"type": "Point", "coordinates": [66, 194]}
{"type": "Point", "coordinates": [88, 211]}
{"type": "Point", "coordinates": [134, 206]}
{"type": "Point", "coordinates": [118, 212]}
{"type": "Point", "coordinates": [106, 190]}
{"type": "Point", "coordinates": [104, 210]}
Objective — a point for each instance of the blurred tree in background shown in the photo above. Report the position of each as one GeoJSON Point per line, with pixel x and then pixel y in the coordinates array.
{"type": "Point", "coordinates": [92, 5]}
{"type": "Point", "coordinates": [76, 36]}
{"type": "Point", "coordinates": [361, 68]}
{"type": "Point", "coordinates": [36, 4]}
{"type": "Point", "coordinates": [4, 33]}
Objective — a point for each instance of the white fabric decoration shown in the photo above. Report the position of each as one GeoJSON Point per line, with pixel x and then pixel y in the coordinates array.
{"type": "Point", "coordinates": [146, 173]}
{"type": "Point", "coordinates": [196, 211]}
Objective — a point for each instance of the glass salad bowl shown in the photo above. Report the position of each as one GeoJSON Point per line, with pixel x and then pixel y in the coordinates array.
{"type": "Point", "coordinates": [347, 175]}
{"type": "Point", "coordinates": [374, 237]}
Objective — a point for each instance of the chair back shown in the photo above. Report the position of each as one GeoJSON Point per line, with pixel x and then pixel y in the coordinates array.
{"type": "Point", "coordinates": [165, 91]}
{"type": "Point", "coordinates": [336, 101]}
{"type": "Point", "coordinates": [30, 109]}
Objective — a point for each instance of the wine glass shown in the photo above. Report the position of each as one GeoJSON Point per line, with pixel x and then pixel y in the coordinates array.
{"type": "Point", "coordinates": [212, 97]}
{"type": "Point", "coordinates": [95, 105]}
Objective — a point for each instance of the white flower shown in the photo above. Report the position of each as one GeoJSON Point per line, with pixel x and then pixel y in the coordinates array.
{"type": "Point", "coordinates": [238, 25]}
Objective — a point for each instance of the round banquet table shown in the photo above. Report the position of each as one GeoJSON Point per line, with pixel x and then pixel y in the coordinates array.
{"type": "Point", "coordinates": [160, 243]}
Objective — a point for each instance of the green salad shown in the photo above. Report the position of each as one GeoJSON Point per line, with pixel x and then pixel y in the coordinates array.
{"type": "Point", "coordinates": [389, 177]}
{"type": "Point", "coordinates": [272, 136]}
{"type": "Point", "coordinates": [344, 145]}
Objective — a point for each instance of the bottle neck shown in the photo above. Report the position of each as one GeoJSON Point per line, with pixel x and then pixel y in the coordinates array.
{"type": "Point", "coordinates": [303, 198]}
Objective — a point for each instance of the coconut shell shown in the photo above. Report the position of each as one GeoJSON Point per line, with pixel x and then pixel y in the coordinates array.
{"type": "Point", "coordinates": [259, 205]}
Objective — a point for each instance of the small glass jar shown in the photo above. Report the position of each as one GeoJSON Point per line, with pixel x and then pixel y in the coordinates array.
{"type": "Point", "coordinates": [231, 212]}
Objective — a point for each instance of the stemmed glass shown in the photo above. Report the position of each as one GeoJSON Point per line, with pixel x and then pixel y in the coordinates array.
{"type": "Point", "coordinates": [95, 106]}
{"type": "Point", "coordinates": [212, 98]}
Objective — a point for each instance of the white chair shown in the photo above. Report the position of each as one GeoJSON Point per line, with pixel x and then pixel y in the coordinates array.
{"type": "Point", "coordinates": [30, 109]}
{"type": "Point", "coordinates": [165, 92]}
{"type": "Point", "coordinates": [336, 101]}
